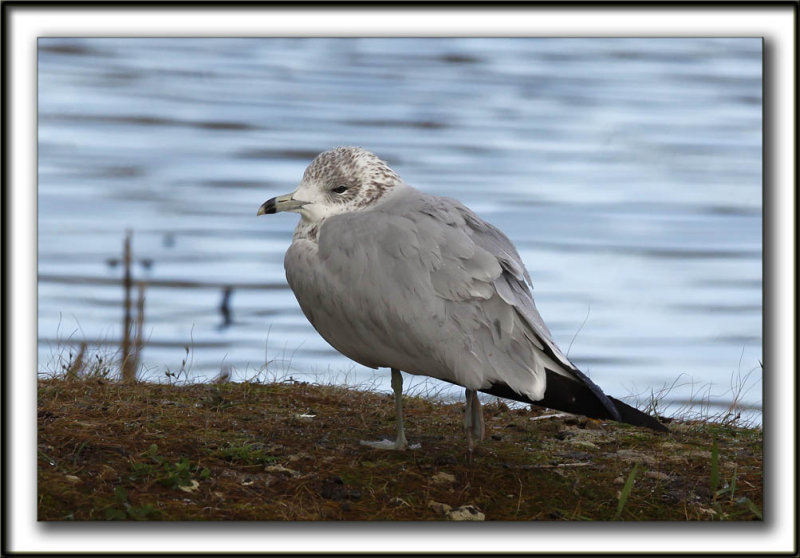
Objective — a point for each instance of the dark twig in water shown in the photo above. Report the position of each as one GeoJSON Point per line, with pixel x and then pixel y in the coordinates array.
{"type": "Point", "coordinates": [138, 341]}
{"type": "Point", "coordinates": [225, 307]}
{"type": "Point", "coordinates": [128, 364]}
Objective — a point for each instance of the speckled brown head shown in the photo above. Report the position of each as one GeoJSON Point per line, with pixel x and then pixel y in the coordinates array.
{"type": "Point", "coordinates": [341, 180]}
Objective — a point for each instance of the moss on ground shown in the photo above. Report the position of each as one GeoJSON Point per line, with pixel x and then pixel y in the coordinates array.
{"type": "Point", "coordinates": [290, 451]}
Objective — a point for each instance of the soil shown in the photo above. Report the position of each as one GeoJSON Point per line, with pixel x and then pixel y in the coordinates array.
{"type": "Point", "coordinates": [290, 451]}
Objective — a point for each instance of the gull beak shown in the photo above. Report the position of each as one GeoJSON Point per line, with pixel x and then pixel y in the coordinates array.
{"type": "Point", "coordinates": [281, 203]}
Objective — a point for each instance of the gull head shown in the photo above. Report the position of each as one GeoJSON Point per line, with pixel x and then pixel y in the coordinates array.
{"type": "Point", "coordinates": [342, 180]}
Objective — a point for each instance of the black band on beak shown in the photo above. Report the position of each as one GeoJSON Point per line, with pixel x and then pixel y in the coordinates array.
{"type": "Point", "coordinates": [268, 207]}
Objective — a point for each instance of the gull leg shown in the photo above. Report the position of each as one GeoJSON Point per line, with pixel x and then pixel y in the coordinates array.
{"type": "Point", "coordinates": [400, 442]}
{"type": "Point", "coordinates": [468, 419]}
{"type": "Point", "coordinates": [478, 427]}
{"type": "Point", "coordinates": [397, 387]}
{"type": "Point", "coordinates": [473, 421]}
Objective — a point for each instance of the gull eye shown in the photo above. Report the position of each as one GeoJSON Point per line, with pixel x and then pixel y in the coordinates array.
{"type": "Point", "coordinates": [340, 189]}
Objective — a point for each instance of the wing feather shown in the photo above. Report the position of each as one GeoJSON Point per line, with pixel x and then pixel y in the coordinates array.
{"type": "Point", "coordinates": [514, 285]}
{"type": "Point", "coordinates": [420, 283]}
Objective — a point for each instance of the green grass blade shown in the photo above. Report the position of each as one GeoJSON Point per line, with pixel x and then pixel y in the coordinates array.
{"type": "Point", "coordinates": [753, 508]}
{"type": "Point", "coordinates": [733, 482]}
{"type": "Point", "coordinates": [626, 491]}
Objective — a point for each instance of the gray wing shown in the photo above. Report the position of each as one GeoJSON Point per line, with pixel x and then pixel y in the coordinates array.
{"type": "Point", "coordinates": [513, 287]}
{"type": "Point", "coordinates": [421, 284]}
{"type": "Point", "coordinates": [514, 284]}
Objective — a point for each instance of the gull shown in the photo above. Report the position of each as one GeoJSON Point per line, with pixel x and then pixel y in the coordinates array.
{"type": "Point", "coordinates": [393, 277]}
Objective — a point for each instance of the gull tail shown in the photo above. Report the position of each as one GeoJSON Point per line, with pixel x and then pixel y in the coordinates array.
{"type": "Point", "coordinates": [580, 398]}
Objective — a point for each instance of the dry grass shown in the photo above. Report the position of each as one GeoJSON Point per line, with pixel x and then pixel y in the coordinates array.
{"type": "Point", "coordinates": [290, 451]}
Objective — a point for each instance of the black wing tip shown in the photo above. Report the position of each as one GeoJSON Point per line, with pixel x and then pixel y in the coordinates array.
{"type": "Point", "coordinates": [567, 395]}
{"type": "Point", "coordinates": [634, 416]}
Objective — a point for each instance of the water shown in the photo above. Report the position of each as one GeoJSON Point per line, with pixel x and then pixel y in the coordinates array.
{"type": "Point", "coordinates": [626, 171]}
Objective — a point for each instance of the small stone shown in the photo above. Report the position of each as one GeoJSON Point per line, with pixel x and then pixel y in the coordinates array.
{"type": "Point", "coordinates": [192, 487]}
{"type": "Point", "coordinates": [619, 480]}
{"type": "Point", "coordinates": [443, 478]}
{"type": "Point", "coordinates": [73, 479]}
{"type": "Point", "coordinates": [282, 469]}
{"type": "Point", "coordinates": [466, 513]}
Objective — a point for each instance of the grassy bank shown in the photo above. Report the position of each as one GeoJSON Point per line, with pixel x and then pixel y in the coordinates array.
{"type": "Point", "coordinates": [290, 451]}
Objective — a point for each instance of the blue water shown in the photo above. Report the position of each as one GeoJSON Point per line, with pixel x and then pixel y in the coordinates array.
{"type": "Point", "coordinates": [626, 171]}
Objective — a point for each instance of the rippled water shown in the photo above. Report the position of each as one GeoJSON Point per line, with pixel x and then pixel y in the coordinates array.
{"type": "Point", "coordinates": [626, 171]}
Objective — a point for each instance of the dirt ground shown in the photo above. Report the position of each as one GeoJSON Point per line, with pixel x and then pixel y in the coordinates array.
{"type": "Point", "coordinates": [290, 451]}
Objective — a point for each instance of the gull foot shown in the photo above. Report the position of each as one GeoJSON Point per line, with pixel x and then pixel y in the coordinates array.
{"type": "Point", "coordinates": [389, 445]}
